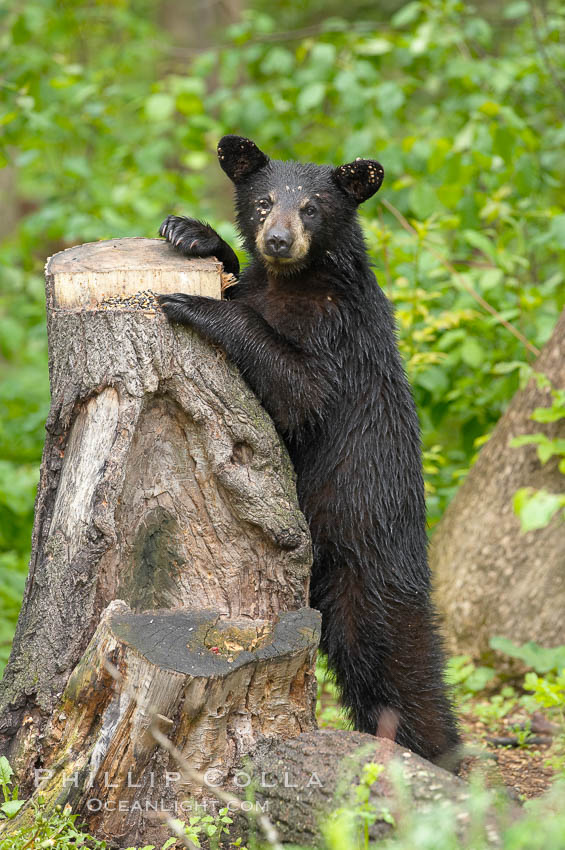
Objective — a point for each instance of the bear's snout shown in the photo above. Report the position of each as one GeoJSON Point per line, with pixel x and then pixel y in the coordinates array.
{"type": "Point", "coordinates": [278, 242]}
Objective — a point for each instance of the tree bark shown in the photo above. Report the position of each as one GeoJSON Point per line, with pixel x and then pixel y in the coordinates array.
{"type": "Point", "coordinates": [491, 579]}
{"type": "Point", "coordinates": [163, 483]}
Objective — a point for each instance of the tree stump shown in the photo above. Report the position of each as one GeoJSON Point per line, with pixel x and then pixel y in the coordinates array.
{"type": "Point", "coordinates": [491, 579]}
{"type": "Point", "coordinates": [212, 685]}
{"type": "Point", "coordinates": [165, 485]}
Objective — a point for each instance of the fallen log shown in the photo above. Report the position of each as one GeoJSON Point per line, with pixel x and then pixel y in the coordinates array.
{"type": "Point", "coordinates": [309, 782]}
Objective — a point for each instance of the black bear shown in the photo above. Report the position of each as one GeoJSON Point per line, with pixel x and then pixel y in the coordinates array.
{"type": "Point", "coordinates": [314, 336]}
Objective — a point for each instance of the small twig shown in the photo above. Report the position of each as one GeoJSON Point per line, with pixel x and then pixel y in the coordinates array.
{"type": "Point", "coordinates": [273, 37]}
{"type": "Point", "coordinates": [462, 282]}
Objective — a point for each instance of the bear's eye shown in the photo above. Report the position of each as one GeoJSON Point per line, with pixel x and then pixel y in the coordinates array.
{"type": "Point", "coordinates": [310, 210]}
{"type": "Point", "coordinates": [264, 205]}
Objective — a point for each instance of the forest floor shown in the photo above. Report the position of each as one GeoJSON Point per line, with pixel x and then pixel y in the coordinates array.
{"type": "Point", "coordinates": [506, 755]}
{"type": "Point", "coordinates": [511, 751]}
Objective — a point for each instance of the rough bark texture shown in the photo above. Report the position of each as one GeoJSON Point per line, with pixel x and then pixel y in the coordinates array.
{"type": "Point", "coordinates": [163, 481]}
{"type": "Point", "coordinates": [300, 782]}
{"type": "Point", "coordinates": [490, 578]}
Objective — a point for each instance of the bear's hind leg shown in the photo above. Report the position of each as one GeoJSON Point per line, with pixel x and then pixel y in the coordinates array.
{"type": "Point", "coordinates": [388, 663]}
{"type": "Point", "coordinates": [413, 671]}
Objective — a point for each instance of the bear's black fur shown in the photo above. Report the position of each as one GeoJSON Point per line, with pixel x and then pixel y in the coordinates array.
{"type": "Point", "coordinates": [314, 336]}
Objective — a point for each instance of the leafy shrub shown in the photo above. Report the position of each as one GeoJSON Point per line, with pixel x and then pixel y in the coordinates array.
{"type": "Point", "coordinates": [536, 508]}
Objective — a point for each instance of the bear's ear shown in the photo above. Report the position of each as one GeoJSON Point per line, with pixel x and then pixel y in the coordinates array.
{"type": "Point", "coordinates": [360, 179]}
{"type": "Point", "coordinates": [240, 157]}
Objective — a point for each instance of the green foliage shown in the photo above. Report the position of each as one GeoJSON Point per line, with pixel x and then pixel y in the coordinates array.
{"type": "Point", "coordinates": [11, 805]}
{"type": "Point", "coordinates": [208, 829]}
{"type": "Point", "coordinates": [438, 826]}
{"type": "Point", "coordinates": [545, 687]}
{"type": "Point", "coordinates": [539, 658]}
{"type": "Point", "coordinates": [548, 691]}
{"type": "Point", "coordinates": [536, 508]}
{"type": "Point", "coordinates": [328, 712]}
{"type": "Point", "coordinates": [200, 828]}
{"type": "Point", "coordinates": [466, 678]}
{"type": "Point", "coordinates": [24, 399]}
{"type": "Point", "coordinates": [56, 829]}
{"type": "Point", "coordinates": [542, 824]}
{"type": "Point", "coordinates": [106, 131]}
{"type": "Point", "coordinates": [59, 829]}
{"type": "Point", "coordinates": [355, 819]}
{"type": "Point", "coordinates": [492, 711]}
{"type": "Point", "coordinates": [471, 167]}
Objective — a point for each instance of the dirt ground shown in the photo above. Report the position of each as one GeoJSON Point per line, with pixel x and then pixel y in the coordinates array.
{"type": "Point", "coordinates": [498, 756]}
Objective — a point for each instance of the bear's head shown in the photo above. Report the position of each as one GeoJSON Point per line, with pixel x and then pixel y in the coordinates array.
{"type": "Point", "coordinates": [291, 214]}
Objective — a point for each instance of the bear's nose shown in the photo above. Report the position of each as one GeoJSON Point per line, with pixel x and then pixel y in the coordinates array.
{"type": "Point", "coordinates": [278, 243]}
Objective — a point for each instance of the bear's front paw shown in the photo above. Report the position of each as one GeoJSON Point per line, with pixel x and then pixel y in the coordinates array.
{"type": "Point", "coordinates": [180, 307]}
{"type": "Point", "coordinates": [191, 237]}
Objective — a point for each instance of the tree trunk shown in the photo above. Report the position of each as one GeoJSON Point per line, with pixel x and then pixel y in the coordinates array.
{"type": "Point", "coordinates": [163, 484]}
{"type": "Point", "coordinates": [491, 579]}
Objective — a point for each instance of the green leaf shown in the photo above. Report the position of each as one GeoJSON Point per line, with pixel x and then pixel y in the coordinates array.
{"type": "Point", "coordinates": [374, 47]}
{"type": "Point", "coordinates": [548, 414]}
{"type": "Point", "coordinates": [159, 107]}
{"type": "Point", "coordinates": [515, 10]}
{"type": "Point", "coordinates": [479, 678]}
{"type": "Point", "coordinates": [472, 353]}
{"type": "Point", "coordinates": [434, 380]}
{"type": "Point", "coordinates": [557, 228]}
{"type": "Point", "coordinates": [464, 138]}
{"type": "Point", "coordinates": [539, 658]}
{"type": "Point", "coordinates": [480, 241]}
{"type": "Point", "coordinates": [196, 159]}
{"type": "Point", "coordinates": [323, 55]}
{"type": "Point", "coordinates": [536, 508]}
{"type": "Point", "coordinates": [6, 771]}
{"type": "Point", "coordinates": [407, 15]}
{"type": "Point", "coordinates": [423, 200]}
{"type": "Point", "coordinates": [11, 807]}
{"type": "Point", "coordinates": [506, 368]}
{"type": "Point", "coordinates": [526, 440]}
{"type": "Point", "coordinates": [491, 278]}
{"type": "Point", "coordinates": [390, 97]}
{"type": "Point", "coordinates": [310, 97]}
{"type": "Point", "coordinates": [278, 61]}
